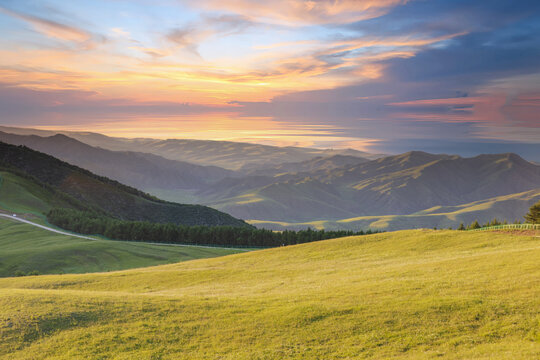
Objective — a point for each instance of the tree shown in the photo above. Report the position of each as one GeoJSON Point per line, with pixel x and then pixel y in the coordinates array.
{"type": "Point", "coordinates": [461, 227]}
{"type": "Point", "coordinates": [475, 225]}
{"type": "Point", "coordinates": [533, 216]}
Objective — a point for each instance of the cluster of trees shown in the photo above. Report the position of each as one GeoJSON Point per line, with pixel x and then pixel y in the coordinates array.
{"type": "Point", "coordinates": [91, 223]}
{"type": "Point", "coordinates": [532, 217]}
{"type": "Point", "coordinates": [476, 225]}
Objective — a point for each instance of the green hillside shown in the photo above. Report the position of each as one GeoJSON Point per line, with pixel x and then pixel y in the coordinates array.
{"type": "Point", "coordinates": [509, 207]}
{"type": "Point", "coordinates": [25, 248]}
{"type": "Point", "coordinates": [62, 182]}
{"type": "Point", "coordinates": [22, 195]}
{"type": "Point", "coordinates": [403, 295]}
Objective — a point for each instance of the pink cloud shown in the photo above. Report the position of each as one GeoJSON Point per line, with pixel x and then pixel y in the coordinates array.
{"type": "Point", "coordinates": [295, 12]}
{"type": "Point", "coordinates": [51, 28]}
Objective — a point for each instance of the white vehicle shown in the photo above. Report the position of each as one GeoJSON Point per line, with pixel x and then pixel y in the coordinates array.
{"type": "Point", "coordinates": [14, 215]}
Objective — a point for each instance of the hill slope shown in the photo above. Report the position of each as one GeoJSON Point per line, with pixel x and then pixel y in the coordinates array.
{"type": "Point", "coordinates": [62, 180]}
{"type": "Point", "coordinates": [507, 207]}
{"type": "Point", "coordinates": [403, 295]}
{"type": "Point", "coordinates": [315, 164]}
{"type": "Point", "coordinates": [25, 248]}
{"type": "Point", "coordinates": [140, 170]}
{"type": "Point", "coordinates": [394, 185]}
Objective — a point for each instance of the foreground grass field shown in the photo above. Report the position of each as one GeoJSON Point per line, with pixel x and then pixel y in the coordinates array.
{"type": "Point", "coordinates": [405, 295]}
{"type": "Point", "coordinates": [25, 248]}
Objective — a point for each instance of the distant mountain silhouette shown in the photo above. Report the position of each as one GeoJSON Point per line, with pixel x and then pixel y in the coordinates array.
{"type": "Point", "coordinates": [225, 154]}
{"type": "Point", "coordinates": [140, 170]}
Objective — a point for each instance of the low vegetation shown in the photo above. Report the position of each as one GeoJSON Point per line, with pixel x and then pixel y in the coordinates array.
{"type": "Point", "coordinates": [419, 294]}
{"type": "Point", "coordinates": [28, 250]}
{"type": "Point", "coordinates": [97, 224]}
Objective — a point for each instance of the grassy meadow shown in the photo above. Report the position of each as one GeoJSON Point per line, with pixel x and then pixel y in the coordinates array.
{"type": "Point", "coordinates": [21, 195]}
{"type": "Point", "coordinates": [416, 294]}
{"type": "Point", "coordinates": [25, 248]}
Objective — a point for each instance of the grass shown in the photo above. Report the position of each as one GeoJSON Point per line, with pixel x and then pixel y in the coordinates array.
{"type": "Point", "coordinates": [22, 195]}
{"type": "Point", "coordinates": [25, 248]}
{"type": "Point", "coordinates": [415, 294]}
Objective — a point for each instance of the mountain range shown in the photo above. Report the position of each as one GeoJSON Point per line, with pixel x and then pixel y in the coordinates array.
{"type": "Point", "coordinates": [394, 185]}
{"type": "Point", "coordinates": [309, 187]}
{"type": "Point", "coordinates": [141, 170]}
{"type": "Point", "coordinates": [225, 154]}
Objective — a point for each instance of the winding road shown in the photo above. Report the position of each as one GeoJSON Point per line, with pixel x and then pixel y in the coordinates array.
{"type": "Point", "coordinates": [45, 227]}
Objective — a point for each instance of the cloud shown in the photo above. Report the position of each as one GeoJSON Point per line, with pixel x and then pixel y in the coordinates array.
{"type": "Point", "coordinates": [15, 99]}
{"type": "Point", "coordinates": [23, 105]}
{"type": "Point", "coordinates": [302, 12]}
{"type": "Point", "coordinates": [468, 81]}
{"type": "Point", "coordinates": [189, 37]}
{"type": "Point", "coordinates": [121, 32]}
{"type": "Point", "coordinates": [393, 74]}
{"type": "Point", "coordinates": [53, 29]}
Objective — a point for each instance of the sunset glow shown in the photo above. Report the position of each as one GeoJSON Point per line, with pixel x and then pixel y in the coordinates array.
{"type": "Point", "coordinates": [383, 76]}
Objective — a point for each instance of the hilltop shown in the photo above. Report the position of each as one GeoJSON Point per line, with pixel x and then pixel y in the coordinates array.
{"type": "Point", "coordinates": [402, 295]}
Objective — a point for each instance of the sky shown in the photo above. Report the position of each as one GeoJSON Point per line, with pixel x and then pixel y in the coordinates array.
{"type": "Point", "coordinates": [385, 76]}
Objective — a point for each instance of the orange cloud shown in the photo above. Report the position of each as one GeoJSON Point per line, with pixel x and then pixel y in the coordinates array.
{"type": "Point", "coordinates": [125, 67]}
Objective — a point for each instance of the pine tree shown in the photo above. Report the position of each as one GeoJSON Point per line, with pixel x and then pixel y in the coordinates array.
{"type": "Point", "coordinates": [533, 216]}
{"type": "Point", "coordinates": [461, 227]}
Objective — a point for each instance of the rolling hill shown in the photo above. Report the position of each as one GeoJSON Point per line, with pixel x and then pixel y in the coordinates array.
{"type": "Point", "coordinates": [507, 207]}
{"type": "Point", "coordinates": [403, 295]}
{"type": "Point", "coordinates": [315, 164]}
{"type": "Point", "coordinates": [25, 248]}
{"type": "Point", "coordinates": [52, 181]}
